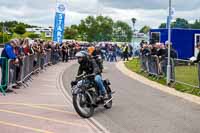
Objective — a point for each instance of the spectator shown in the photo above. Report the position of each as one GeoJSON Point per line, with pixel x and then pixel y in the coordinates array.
{"type": "Point", "coordinates": [130, 50]}
{"type": "Point", "coordinates": [114, 53]}
{"type": "Point", "coordinates": [125, 52]}
{"type": "Point", "coordinates": [142, 43]}
{"type": "Point", "coordinates": [173, 53]}
{"type": "Point", "coordinates": [8, 53]}
{"type": "Point", "coordinates": [18, 66]}
{"type": "Point", "coordinates": [65, 53]}
{"type": "Point", "coordinates": [26, 48]}
{"type": "Point", "coordinates": [41, 54]}
{"type": "Point", "coordinates": [198, 56]}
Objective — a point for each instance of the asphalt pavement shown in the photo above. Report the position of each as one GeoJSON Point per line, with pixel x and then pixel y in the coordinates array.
{"type": "Point", "coordinates": [41, 107]}
{"type": "Point", "coordinates": [139, 108]}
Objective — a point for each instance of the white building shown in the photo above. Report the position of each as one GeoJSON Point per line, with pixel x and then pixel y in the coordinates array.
{"type": "Point", "coordinates": [38, 30]}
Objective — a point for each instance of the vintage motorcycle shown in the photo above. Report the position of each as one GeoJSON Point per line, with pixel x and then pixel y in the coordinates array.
{"type": "Point", "coordinates": [86, 95]}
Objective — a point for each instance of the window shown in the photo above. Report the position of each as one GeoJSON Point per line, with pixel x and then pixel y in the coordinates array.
{"type": "Point", "coordinates": [155, 36]}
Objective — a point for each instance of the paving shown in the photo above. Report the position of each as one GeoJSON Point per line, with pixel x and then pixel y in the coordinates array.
{"type": "Point", "coordinates": [41, 107]}
{"type": "Point", "coordinates": [140, 108]}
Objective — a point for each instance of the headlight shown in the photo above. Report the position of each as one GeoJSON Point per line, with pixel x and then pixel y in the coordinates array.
{"type": "Point", "coordinates": [80, 83]}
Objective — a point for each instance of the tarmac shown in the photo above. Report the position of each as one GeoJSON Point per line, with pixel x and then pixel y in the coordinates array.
{"type": "Point", "coordinates": [41, 107]}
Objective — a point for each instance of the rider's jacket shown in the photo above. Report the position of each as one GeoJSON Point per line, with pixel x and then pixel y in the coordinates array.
{"type": "Point", "coordinates": [89, 67]}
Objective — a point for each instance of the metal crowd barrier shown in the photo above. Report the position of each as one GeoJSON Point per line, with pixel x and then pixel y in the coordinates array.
{"type": "Point", "coordinates": [14, 74]}
{"type": "Point", "coordinates": [150, 64]}
{"type": "Point", "coordinates": [11, 74]}
{"type": "Point", "coordinates": [186, 72]}
{"type": "Point", "coordinates": [48, 58]}
{"type": "Point", "coordinates": [182, 71]}
{"type": "Point", "coordinates": [4, 74]}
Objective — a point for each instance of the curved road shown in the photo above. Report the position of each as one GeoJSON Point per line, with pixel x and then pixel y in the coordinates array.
{"type": "Point", "coordinates": [139, 108]}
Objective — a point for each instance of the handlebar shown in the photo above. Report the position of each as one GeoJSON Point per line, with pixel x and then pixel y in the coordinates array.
{"type": "Point", "coordinates": [83, 76]}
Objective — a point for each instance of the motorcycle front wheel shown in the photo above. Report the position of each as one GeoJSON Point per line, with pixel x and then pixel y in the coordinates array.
{"type": "Point", "coordinates": [83, 105]}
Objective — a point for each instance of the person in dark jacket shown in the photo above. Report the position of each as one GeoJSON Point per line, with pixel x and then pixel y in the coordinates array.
{"type": "Point", "coordinates": [173, 56]}
{"type": "Point", "coordinates": [173, 52]}
{"type": "Point", "coordinates": [145, 50]}
{"type": "Point", "coordinates": [125, 52]}
{"type": "Point", "coordinates": [154, 50]}
{"type": "Point", "coordinates": [198, 56]}
{"type": "Point", "coordinates": [65, 52]}
{"type": "Point", "coordinates": [89, 66]}
{"type": "Point", "coordinates": [7, 53]}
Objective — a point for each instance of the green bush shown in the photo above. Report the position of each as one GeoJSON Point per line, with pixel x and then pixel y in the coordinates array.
{"type": "Point", "coordinates": [20, 29]}
{"type": "Point", "coordinates": [5, 36]}
{"type": "Point", "coordinates": [33, 36]}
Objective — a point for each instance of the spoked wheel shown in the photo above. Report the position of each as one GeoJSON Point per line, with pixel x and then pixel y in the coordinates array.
{"type": "Point", "coordinates": [83, 105]}
{"type": "Point", "coordinates": [108, 104]}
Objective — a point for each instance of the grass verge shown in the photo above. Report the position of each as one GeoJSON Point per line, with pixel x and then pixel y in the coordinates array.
{"type": "Point", "coordinates": [134, 65]}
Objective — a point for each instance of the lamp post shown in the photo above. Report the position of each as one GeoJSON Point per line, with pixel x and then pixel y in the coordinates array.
{"type": "Point", "coordinates": [3, 32]}
{"type": "Point", "coordinates": [169, 43]}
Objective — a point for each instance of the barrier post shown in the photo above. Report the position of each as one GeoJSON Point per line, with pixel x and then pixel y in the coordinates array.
{"type": "Point", "coordinates": [4, 71]}
{"type": "Point", "coordinates": [173, 78]}
{"type": "Point", "coordinates": [198, 65]}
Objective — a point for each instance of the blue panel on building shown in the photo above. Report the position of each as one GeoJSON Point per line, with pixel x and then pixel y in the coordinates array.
{"type": "Point", "coordinates": [183, 40]}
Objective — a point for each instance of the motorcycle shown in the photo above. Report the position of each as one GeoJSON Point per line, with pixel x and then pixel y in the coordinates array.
{"type": "Point", "coordinates": [86, 94]}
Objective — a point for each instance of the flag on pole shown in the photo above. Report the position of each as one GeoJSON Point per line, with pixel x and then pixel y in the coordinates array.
{"type": "Point", "coordinates": [59, 23]}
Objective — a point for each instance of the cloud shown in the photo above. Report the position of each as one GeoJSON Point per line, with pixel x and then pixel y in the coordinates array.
{"type": "Point", "coordinates": [151, 4]}
{"type": "Point", "coordinates": [152, 13]}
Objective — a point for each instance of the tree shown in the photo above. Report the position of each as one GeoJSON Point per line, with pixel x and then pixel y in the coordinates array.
{"type": "Point", "coordinates": [105, 28]}
{"type": "Point", "coordinates": [196, 25]}
{"type": "Point", "coordinates": [33, 36]}
{"type": "Point", "coordinates": [4, 37]}
{"type": "Point", "coordinates": [96, 29]}
{"type": "Point", "coordinates": [181, 23]}
{"type": "Point", "coordinates": [162, 25]}
{"type": "Point", "coordinates": [20, 29]}
{"type": "Point", "coordinates": [11, 25]}
{"type": "Point", "coordinates": [71, 32]}
{"type": "Point", "coordinates": [178, 23]}
{"type": "Point", "coordinates": [133, 21]}
{"type": "Point", "coordinates": [122, 32]}
{"type": "Point", "coordinates": [145, 29]}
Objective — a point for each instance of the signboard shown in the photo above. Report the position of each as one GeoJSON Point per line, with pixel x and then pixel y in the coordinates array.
{"type": "Point", "coordinates": [59, 24]}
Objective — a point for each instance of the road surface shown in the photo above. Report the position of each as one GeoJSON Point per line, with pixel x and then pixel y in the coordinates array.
{"type": "Point", "coordinates": [139, 108]}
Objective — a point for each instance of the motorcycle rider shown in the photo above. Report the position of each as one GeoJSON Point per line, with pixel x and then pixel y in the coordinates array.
{"type": "Point", "coordinates": [89, 66]}
{"type": "Point", "coordinates": [97, 52]}
{"type": "Point", "coordinates": [91, 49]}
{"type": "Point", "coordinates": [98, 56]}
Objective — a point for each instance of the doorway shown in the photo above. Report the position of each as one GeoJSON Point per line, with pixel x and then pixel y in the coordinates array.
{"type": "Point", "coordinates": [197, 40]}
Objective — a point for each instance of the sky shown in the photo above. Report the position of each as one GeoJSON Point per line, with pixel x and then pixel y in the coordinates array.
{"type": "Point", "coordinates": [147, 12]}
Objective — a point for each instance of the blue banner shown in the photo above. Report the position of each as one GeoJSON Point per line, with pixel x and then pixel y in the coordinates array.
{"type": "Point", "coordinates": [59, 24]}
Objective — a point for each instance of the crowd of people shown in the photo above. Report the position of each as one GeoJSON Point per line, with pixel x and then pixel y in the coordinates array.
{"type": "Point", "coordinates": [110, 51]}
{"type": "Point", "coordinates": [154, 57]}
{"type": "Point", "coordinates": [18, 49]}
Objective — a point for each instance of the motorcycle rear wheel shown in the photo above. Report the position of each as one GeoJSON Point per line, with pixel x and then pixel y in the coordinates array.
{"type": "Point", "coordinates": [109, 92]}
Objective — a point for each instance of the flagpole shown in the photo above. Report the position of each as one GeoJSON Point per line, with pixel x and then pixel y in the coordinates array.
{"type": "Point", "coordinates": [169, 44]}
